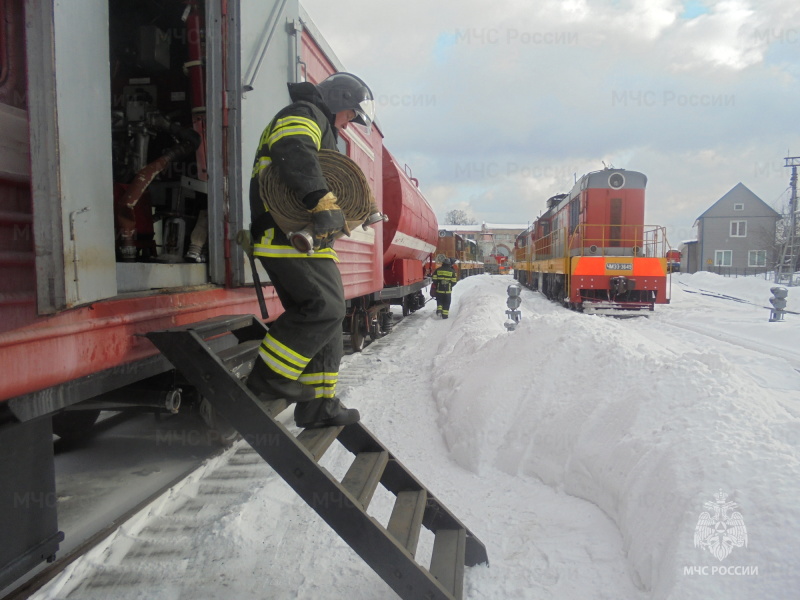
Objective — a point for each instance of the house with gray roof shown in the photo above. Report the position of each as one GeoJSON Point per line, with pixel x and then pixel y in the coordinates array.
{"type": "Point", "coordinates": [736, 234]}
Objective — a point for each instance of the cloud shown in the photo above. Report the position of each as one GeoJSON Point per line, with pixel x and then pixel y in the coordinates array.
{"type": "Point", "coordinates": [498, 108]}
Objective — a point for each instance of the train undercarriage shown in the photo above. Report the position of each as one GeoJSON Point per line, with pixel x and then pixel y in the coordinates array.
{"type": "Point", "coordinates": [620, 298]}
{"type": "Point", "coordinates": [371, 316]}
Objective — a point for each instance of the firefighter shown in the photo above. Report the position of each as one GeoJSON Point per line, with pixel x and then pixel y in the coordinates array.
{"type": "Point", "coordinates": [300, 355]}
{"type": "Point", "coordinates": [444, 278]}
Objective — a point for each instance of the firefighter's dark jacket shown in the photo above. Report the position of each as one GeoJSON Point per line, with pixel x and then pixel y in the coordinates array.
{"type": "Point", "coordinates": [444, 278]}
{"type": "Point", "coordinates": [292, 141]}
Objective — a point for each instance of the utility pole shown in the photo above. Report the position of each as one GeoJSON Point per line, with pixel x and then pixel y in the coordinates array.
{"type": "Point", "coordinates": [787, 262]}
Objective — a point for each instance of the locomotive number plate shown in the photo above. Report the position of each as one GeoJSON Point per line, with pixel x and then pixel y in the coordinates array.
{"type": "Point", "coordinates": [619, 266]}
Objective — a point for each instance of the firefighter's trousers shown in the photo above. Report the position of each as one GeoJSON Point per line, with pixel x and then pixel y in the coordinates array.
{"type": "Point", "coordinates": [305, 342]}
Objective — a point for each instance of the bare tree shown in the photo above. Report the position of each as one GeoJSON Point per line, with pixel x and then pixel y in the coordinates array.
{"type": "Point", "coordinates": [458, 217]}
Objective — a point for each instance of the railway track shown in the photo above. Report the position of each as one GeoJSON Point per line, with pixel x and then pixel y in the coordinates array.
{"type": "Point", "coordinates": [125, 462]}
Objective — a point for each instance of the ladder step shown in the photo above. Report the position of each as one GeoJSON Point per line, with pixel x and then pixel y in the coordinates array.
{"type": "Point", "coordinates": [274, 407]}
{"type": "Point", "coordinates": [215, 355]}
{"type": "Point", "coordinates": [236, 357]}
{"type": "Point", "coordinates": [217, 325]}
{"type": "Point", "coordinates": [364, 475]}
{"type": "Point", "coordinates": [317, 441]}
{"type": "Point", "coordinates": [406, 519]}
{"type": "Point", "coordinates": [447, 561]}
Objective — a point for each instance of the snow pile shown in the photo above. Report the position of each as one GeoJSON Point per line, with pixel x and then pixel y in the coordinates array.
{"type": "Point", "coordinates": [645, 428]}
{"type": "Point", "coordinates": [581, 450]}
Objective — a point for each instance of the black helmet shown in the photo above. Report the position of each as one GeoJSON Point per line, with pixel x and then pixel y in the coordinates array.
{"type": "Point", "coordinates": [343, 91]}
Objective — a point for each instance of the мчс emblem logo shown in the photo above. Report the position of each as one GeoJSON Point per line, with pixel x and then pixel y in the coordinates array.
{"type": "Point", "coordinates": [717, 531]}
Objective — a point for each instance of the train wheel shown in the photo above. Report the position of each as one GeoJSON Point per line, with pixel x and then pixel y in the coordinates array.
{"type": "Point", "coordinates": [406, 305]}
{"type": "Point", "coordinates": [71, 424]}
{"type": "Point", "coordinates": [357, 333]}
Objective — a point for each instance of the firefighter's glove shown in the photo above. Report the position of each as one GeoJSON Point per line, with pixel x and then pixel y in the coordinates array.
{"type": "Point", "coordinates": [433, 290]}
{"type": "Point", "coordinates": [327, 218]}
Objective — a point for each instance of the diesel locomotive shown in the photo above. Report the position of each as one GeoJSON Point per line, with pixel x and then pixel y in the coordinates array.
{"type": "Point", "coordinates": [591, 250]}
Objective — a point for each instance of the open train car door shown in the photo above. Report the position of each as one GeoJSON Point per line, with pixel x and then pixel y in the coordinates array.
{"type": "Point", "coordinates": [90, 98]}
{"type": "Point", "coordinates": [70, 132]}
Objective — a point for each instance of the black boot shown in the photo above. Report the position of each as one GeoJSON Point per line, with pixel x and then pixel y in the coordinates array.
{"type": "Point", "coordinates": [327, 412]}
{"type": "Point", "coordinates": [268, 385]}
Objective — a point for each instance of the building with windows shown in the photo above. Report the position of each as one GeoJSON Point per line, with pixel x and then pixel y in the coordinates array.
{"type": "Point", "coordinates": [492, 238]}
{"type": "Point", "coordinates": [736, 233]}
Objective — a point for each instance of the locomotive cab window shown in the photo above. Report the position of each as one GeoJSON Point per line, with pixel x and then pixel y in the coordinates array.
{"type": "Point", "coordinates": [574, 214]}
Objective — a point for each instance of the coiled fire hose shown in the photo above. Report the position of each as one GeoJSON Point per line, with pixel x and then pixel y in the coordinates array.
{"type": "Point", "coordinates": [347, 182]}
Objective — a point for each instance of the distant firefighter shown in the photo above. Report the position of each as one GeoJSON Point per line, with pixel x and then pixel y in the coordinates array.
{"type": "Point", "coordinates": [444, 278]}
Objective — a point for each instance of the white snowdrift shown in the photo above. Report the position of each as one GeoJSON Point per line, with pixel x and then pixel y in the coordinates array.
{"type": "Point", "coordinates": [636, 419]}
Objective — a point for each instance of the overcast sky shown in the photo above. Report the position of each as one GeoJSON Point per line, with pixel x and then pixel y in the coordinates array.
{"type": "Point", "coordinates": [497, 105]}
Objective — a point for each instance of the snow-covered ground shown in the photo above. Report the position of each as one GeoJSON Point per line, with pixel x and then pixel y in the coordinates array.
{"type": "Point", "coordinates": [582, 450]}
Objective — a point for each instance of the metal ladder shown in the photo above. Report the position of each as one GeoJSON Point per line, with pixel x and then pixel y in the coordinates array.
{"type": "Point", "coordinates": [787, 261]}
{"type": "Point", "coordinates": [785, 269]}
{"type": "Point", "coordinates": [342, 504]}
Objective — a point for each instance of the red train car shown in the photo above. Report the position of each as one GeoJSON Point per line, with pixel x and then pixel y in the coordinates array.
{"type": "Point", "coordinates": [455, 245]}
{"type": "Point", "coordinates": [191, 85]}
{"type": "Point", "coordinates": [409, 236]}
{"type": "Point", "coordinates": [408, 231]}
{"type": "Point", "coordinates": [592, 251]}
{"type": "Point", "coordinates": [673, 261]}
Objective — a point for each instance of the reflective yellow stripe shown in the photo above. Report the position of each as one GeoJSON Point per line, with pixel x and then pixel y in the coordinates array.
{"type": "Point", "coordinates": [282, 350]}
{"type": "Point", "coordinates": [324, 383]}
{"type": "Point", "coordinates": [295, 126]}
{"type": "Point", "coordinates": [269, 250]}
{"type": "Point", "coordinates": [318, 378]}
{"type": "Point", "coordinates": [261, 164]}
{"type": "Point", "coordinates": [279, 367]}
{"type": "Point", "coordinates": [265, 136]}
{"type": "Point", "coordinates": [282, 359]}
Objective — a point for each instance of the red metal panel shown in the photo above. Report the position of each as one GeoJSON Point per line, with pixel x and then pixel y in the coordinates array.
{"type": "Point", "coordinates": [82, 341]}
{"type": "Point", "coordinates": [412, 230]}
{"type": "Point", "coordinates": [598, 212]}
{"type": "Point", "coordinates": [318, 67]}
{"type": "Point", "coordinates": [13, 79]}
{"type": "Point", "coordinates": [17, 273]}
{"type": "Point", "coordinates": [404, 272]}
{"type": "Point", "coordinates": [360, 256]}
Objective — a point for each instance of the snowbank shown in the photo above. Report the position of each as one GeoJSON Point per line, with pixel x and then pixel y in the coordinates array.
{"type": "Point", "coordinates": [646, 427]}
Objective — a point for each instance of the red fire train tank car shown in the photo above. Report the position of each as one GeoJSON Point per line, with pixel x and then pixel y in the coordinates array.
{"type": "Point", "coordinates": [591, 250]}
{"type": "Point", "coordinates": [409, 236]}
{"type": "Point", "coordinates": [188, 94]}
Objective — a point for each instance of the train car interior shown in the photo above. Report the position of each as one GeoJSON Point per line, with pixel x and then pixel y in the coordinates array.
{"type": "Point", "coordinates": [158, 144]}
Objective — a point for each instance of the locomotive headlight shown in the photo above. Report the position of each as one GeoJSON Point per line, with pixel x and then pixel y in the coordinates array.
{"type": "Point", "coordinates": [616, 180]}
